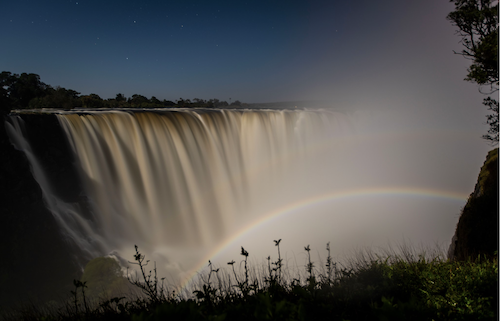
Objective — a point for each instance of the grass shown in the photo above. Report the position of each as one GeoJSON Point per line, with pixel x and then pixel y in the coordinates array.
{"type": "Point", "coordinates": [395, 285]}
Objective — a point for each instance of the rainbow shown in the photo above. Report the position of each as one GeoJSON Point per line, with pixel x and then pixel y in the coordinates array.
{"type": "Point", "coordinates": [306, 203]}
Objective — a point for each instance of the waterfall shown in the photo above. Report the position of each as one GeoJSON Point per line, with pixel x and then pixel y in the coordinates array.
{"type": "Point", "coordinates": [183, 178]}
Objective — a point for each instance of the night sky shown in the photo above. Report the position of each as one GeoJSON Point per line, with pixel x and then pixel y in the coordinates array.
{"type": "Point", "coordinates": [392, 59]}
{"type": "Point", "coordinates": [255, 51]}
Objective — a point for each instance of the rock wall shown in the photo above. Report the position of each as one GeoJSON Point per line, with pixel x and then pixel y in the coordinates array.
{"type": "Point", "coordinates": [38, 264]}
{"type": "Point", "coordinates": [477, 229]}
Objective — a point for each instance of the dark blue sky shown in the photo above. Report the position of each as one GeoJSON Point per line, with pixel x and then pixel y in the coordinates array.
{"type": "Point", "coordinates": [249, 50]}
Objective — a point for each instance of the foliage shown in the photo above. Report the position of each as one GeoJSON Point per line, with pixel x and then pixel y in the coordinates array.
{"type": "Point", "coordinates": [27, 91]}
{"type": "Point", "coordinates": [150, 286]}
{"type": "Point", "coordinates": [61, 97]}
{"type": "Point", "coordinates": [394, 287]}
{"type": "Point", "coordinates": [18, 90]}
{"type": "Point", "coordinates": [477, 23]}
{"type": "Point", "coordinates": [492, 120]}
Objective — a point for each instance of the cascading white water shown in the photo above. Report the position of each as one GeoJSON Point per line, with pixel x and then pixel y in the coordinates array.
{"type": "Point", "coordinates": [192, 185]}
{"type": "Point", "coordinates": [180, 180]}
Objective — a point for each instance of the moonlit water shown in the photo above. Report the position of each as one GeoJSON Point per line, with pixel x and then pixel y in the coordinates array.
{"type": "Point", "coordinates": [189, 185]}
{"type": "Point", "coordinates": [177, 183]}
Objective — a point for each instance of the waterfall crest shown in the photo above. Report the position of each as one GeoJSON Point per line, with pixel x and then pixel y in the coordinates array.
{"type": "Point", "coordinates": [183, 178]}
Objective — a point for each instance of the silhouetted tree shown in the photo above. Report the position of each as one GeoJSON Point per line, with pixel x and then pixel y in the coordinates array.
{"type": "Point", "coordinates": [120, 101]}
{"type": "Point", "coordinates": [57, 98]}
{"type": "Point", "coordinates": [477, 22]}
{"type": "Point", "coordinates": [138, 101]}
{"type": "Point", "coordinates": [18, 90]}
{"type": "Point", "coordinates": [236, 103]}
{"type": "Point", "coordinates": [199, 102]}
{"type": "Point", "coordinates": [168, 103]}
{"type": "Point", "coordinates": [212, 103]}
{"type": "Point", "coordinates": [5, 101]}
{"type": "Point", "coordinates": [492, 120]}
{"type": "Point", "coordinates": [26, 90]}
{"type": "Point", "coordinates": [155, 102]}
{"type": "Point", "coordinates": [120, 97]}
{"type": "Point", "coordinates": [181, 102]}
{"type": "Point", "coordinates": [222, 104]}
{"type": "Point", "coordinates": [92, 101]}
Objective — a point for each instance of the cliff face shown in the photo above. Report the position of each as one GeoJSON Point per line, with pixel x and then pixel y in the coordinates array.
{"type": "Point", "coordinates": [477, 228]}
{"type": "Point", "coordinates": [38, 263]}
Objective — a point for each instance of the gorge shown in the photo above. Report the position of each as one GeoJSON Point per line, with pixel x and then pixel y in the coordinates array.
{"type": "Point", "coordinates": [175, 181]}
{"type": "Point", "coordinates": [189, 185]}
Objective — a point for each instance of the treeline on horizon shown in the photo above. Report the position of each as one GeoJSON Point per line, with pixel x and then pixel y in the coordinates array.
{"type": "Point", "coordinates": [27, 91]}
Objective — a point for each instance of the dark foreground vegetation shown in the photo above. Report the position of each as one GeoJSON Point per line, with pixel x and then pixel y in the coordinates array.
{"type": "Point", "coordinates": [392, 286]}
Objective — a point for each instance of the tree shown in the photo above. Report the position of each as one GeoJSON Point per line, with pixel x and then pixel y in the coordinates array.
{"type": "Point", "coordinates": [477, 22]}
{"type": "Point", "coordinates": [120, 101]}
{"type": "Point", "coordinates": [6, 80]}
{"type": "Point", "coordinates": [155, 102]}
{"type": "Point", "coordinates": [222, 104]}
{"type": "Point", "coordinates": [138, 101]}
{"type": "Point", "coordinates": [236, 103]}
{"type": "Point", "coordinates": [492, 120]}
{"type": "Point", "coordinates": [180, 102]}
{"type": "Point", "coordinates": [58, 97]}
{"type": "Point", "coordinates": [212, 103]}
{"type": "Point", "coordinates": [92, 101]}
{"type": "Point", "coordinates": [120, 97]}
{"type": "Point", "coordinates": [18, 90]}
{"type": "Point", "coordinates": [168, 103]}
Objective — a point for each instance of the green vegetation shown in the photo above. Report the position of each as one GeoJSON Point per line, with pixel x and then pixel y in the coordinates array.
{"type": "Point", "coordinates": [394, 286]}
{"type": "Point", "coordinates": [27, 91]}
